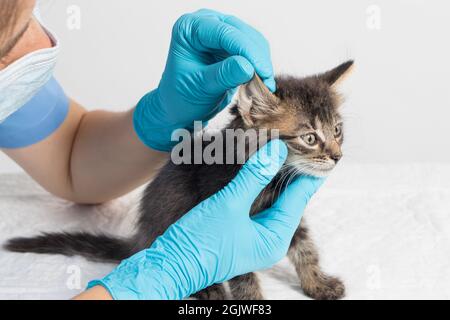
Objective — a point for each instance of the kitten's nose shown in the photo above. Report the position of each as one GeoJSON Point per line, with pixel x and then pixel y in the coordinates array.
{"type": "Point", "coordinates": [336, 157]}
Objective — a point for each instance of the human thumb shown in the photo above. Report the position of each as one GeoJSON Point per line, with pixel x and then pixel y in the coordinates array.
{"type": "Point", "coordinates": [227, 74]}
{"type": "Point", "coordinates": [284, 217]}
{"type": "Point", "coordinates": [255, 175]}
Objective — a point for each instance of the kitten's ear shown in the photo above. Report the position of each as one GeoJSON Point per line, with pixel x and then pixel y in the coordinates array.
{"type": "Point", "coordinates": [338, 74]}
{"type": "Point", "coordinates": [255, 101]}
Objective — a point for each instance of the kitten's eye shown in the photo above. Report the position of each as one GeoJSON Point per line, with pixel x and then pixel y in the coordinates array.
{"type": "Point", "coordinates": [338, 131]}
{"type": "Point", "coordinates": [310, 139]}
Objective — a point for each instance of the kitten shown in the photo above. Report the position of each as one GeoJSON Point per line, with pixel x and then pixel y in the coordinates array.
{"type": "Point", "coordinates": [306, 113]}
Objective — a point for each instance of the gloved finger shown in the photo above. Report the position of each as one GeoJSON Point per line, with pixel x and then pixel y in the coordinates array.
{"type": "Point", "coordinates": [209, 12]}
{"type": "Point", "coordinates": [284, 217]}
{"type": "Point", "coordinates": [212, 33]}
{"type": "Point", "coordinates": [271, 84]}
{"type": "Point", "coordinates": [227, 74]}
{"type": "Point", "coordinates": [259, 40]}
{"type": "Point", "coordinates": [254, 176]}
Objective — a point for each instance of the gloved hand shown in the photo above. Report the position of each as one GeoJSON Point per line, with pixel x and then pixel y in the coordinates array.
{"type": "Point", "coordinates": [217, 240]}
{"type": "Point", "coordinates": [210, 55]}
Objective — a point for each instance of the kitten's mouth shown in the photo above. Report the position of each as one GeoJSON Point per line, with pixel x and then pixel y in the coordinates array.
{"type": "Point", "coordinates": [299, 165]}
{"type": "Point", "coordinates": [313, 169]}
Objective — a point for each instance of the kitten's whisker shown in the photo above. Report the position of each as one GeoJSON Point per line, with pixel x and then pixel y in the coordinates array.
{"type": "Point", "coordinates": [280, 183]}
{"type": "Point", "coordinates": [290, 173]}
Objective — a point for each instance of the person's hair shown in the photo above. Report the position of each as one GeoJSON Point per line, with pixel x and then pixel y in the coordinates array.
{"type": "Point", "coordinates": [8, 16]}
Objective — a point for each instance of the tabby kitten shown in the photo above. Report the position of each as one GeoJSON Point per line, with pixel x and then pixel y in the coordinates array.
{"type": "Point", "coordinates": [306, 113]}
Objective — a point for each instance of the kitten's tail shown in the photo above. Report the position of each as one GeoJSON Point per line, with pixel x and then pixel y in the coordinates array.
{"type": "Point", "coordinates": [100, 248]}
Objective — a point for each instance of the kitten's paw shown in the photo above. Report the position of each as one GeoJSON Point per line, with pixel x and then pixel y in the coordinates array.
{"type": "Point", "coordinates": [324, 287]}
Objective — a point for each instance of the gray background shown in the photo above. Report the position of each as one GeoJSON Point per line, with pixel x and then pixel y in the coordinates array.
{"type": "Point", "coordinates": [398, 99]}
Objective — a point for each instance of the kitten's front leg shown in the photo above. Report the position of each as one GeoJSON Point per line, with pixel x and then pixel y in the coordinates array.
{"type": "Point", "coordinates": [214, 292]}
{"type": "Point", "coordinates": [315, 283]}
{"type": "Point", "coordinates": [246, 287]}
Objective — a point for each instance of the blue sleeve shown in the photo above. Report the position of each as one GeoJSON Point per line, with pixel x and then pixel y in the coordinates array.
{"type": "Point", "coordinates": [37, 119]}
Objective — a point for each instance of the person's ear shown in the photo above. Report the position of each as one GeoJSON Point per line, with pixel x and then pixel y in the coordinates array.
{"type": "Point", "coordinates": [255, 101]}
{"type": "Point", "coordinates": [337, 75]}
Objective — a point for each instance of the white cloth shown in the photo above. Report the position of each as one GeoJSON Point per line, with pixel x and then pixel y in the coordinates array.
{"type": "Point", "coordinates": [385, 230]}
{"type": "Point", "coordinates": [36, 12]}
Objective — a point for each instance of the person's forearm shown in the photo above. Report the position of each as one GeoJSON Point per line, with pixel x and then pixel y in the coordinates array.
{"type": "Point", "coordinates": [108, 158]}
{"type": "Point", "coordinates": [92, 158]}
{"type": "Point", "coordinates": [95, 293]}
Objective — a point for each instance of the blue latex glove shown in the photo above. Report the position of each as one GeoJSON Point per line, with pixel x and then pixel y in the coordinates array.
{"type": "Point", "coordinates": [217, 240]}
{"type": "Point", "coordinates": [210, 54]}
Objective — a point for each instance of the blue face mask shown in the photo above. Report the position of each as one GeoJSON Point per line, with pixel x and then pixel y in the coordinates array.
{"type": "Point", "coordinates": [23, 79]}
{"type": "Point", "coordinates": [32, 103]}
